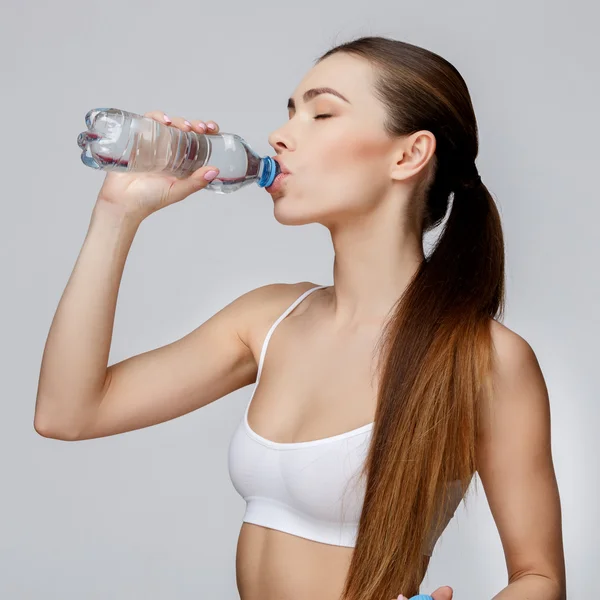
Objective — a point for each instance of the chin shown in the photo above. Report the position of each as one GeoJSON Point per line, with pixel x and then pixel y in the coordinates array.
{"type": "Point", "coordinates": [293, 216]}
{"type": "Point", "coordinates": [298, 213]}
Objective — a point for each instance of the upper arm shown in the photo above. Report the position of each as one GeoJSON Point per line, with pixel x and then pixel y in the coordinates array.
{"type": "Point", "coordinates": [208, 363]}
{"type": "Point", "coordinates": [515, 462]}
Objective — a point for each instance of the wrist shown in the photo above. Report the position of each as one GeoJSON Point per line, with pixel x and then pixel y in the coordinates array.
{"type": "Point", "coordinates": [116, 214]}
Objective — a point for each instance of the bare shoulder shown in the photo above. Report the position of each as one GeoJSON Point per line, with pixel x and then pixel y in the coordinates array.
{"type": "Point", "coordinates": [260, 307]}
{"type": "Point", "coordinates": [511, 351]}
{"type": "Point", "coordinates": [517, 378]}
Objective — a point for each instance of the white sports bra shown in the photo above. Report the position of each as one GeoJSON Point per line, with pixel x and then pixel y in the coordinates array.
{"type": "Point", "coordinates": [309, 489]}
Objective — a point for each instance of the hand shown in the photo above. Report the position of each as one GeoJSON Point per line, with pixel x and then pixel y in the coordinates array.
{"type": "Point", "coordinates": [442, 593]}
{"type": "Point", "coordinates": [142, 193]}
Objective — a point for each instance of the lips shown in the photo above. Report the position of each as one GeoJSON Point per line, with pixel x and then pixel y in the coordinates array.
{"type": "Point", "coordinates": [282, 166]}
{"type": "Point", "coordinates": [277, 182]}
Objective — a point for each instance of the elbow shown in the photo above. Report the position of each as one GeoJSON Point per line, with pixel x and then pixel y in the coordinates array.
{"type": "Point", "coordinates": [52, 431]}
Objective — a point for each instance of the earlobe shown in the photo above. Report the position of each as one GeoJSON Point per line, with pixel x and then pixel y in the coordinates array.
{"type": "Point", "coordinates": [407, 170]}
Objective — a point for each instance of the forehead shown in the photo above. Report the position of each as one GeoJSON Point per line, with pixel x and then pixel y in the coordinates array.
{"type": "Point", "coordinates": [350, 75]}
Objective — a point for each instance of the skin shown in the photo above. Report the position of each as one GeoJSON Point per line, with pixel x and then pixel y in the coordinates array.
{"type": "Point", "coordinates": [351, 177]}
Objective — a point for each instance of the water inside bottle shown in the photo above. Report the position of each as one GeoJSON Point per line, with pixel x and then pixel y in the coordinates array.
{"type": "Point", "coordinates": [121, 141]}
{"type": "Point", "coordinates": [237, 165]}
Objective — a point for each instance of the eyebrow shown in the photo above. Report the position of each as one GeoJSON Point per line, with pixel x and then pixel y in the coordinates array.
{"type": "Point", "coordinates": [313, 93]}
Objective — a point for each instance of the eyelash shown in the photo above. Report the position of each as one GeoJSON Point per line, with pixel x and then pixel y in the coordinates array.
{"type": "Point", "coordinates": [322, 116]}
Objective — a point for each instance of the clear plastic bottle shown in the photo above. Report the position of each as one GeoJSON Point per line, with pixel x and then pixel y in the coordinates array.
{"type": "Point", "coordinates": [117, 140]}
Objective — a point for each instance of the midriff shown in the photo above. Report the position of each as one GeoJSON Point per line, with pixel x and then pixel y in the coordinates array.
{"type": "Point", "coordinates": [273, 565]}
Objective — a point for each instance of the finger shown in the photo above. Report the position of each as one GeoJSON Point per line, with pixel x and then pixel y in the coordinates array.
{"type": "Point", "coordinates": [160, 116]}
{"type": "Point", "coordinates": [444, 592]}
{"type": "Point", "coordinates": [445, 589]}
{"type": "Point", "coordinates": [182, 188]}
{"type": "Point", "coordinates": [203, 127]}
{"type": "Point", "coordinates": [178, 123]}
{"type": "Point", "coordinates": [184, 124]}
{"type": "Point", "coordinates": [212, 127]}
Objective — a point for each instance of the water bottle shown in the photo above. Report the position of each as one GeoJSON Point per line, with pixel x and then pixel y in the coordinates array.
{"type": "Point", "coordinates": [117, 140]}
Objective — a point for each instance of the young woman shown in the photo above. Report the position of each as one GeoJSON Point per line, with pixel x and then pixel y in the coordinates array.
{"type": "Point", "coordinates": [382, 394]}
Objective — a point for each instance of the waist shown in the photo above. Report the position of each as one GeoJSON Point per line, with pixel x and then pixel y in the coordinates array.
{"type": "Point", "coordinates": [272, 564]}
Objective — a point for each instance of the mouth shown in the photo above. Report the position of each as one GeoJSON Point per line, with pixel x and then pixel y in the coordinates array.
{"type": "Point", "coordinates": [282, 166]}
{"type": "Point", "coordinates": [277, 183]}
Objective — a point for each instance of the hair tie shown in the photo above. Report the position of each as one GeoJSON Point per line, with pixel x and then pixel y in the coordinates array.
{"type": "Point", "coordinates": [471, 183]}
{"type": "Point", "coordinates": [471, 178]}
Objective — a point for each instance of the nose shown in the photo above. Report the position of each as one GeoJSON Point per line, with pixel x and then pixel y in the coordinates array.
{"type": "Point", "coordinates": [278, 141]}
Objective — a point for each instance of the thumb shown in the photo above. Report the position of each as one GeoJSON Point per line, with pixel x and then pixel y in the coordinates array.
{"type": "Point", "coordinates": [196, 181]}
{"type": "Point", "coordinates": [200, 174]}
{"type": "Point", "coordinates": [443, 593]}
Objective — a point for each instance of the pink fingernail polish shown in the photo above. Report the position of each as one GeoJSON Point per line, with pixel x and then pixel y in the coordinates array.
{"type": "Point", "coordinates": [211, 126]}
{"type": "Point", "coordinates": [166, 118]}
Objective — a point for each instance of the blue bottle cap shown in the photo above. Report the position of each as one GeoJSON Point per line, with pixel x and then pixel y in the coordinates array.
{"type": "Point", "coordinates": [421, 597]}
{"type": "Point", "coordinates": [270, 171]}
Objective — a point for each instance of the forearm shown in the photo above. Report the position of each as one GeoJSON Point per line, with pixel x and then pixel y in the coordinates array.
{"type": "Point", "coordinates": [532, 587]}
{"type": "Point", "coordinates": [75, 358]}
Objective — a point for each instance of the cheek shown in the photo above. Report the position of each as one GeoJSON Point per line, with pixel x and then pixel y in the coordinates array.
{"type": "Point", "coordinates": [354, 165]}
{"type": "Point", "coordinates": [363, 149]}
{"type": "Point", "coordinates": [353, 155]}
{"type": "Point", "coordinates": [346, 172]}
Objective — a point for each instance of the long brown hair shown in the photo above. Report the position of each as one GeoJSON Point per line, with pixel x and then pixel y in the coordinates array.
{"type": "Point", "coordinates": [436, 345]}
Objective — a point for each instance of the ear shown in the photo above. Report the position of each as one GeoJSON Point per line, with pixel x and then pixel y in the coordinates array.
{"type": "Point", "coordinates": [413, 154]}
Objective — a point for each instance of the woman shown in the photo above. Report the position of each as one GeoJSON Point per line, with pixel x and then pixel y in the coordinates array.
{"type": "Point", "coordinates": [381, 394]}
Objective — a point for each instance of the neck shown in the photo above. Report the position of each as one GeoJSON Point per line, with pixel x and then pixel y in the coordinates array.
{"type": "Point", "coordinates": [374, 263]}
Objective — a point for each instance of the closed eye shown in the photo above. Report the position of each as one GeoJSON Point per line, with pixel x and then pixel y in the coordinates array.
{"type": "Point", "coordinates": [322, 116]}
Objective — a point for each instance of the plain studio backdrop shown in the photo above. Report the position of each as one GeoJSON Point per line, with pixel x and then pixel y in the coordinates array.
{"type": "Point", "coordinates": [152, 514]}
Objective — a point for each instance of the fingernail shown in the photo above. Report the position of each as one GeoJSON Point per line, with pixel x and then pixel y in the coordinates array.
{"type": "Point", "coordinates": [211, 126]}
{"type": "Point", "coordinates": [210, 175]}
{"type": "Point", "coordinates": [188, 123]}
{"type": "Point", "coordinates": [166, 119]}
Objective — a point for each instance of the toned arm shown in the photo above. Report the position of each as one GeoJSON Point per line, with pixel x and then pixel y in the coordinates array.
{"type": "Point", "coordinates": [208, 363]}
{"type": "Point", "coordinates": [516, 468]}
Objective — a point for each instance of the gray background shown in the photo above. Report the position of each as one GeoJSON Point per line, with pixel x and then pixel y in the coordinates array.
{"type": "Point", "coordinates": [151, 513]}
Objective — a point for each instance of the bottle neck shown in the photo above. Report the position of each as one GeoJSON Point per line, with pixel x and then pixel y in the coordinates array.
{"type": "Point", "coordinates": [268, 170]}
